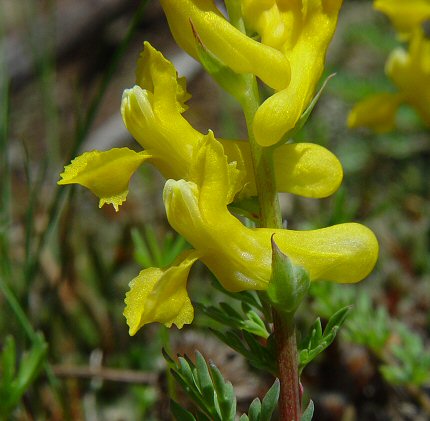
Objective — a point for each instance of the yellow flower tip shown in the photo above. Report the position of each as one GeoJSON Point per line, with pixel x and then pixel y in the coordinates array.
{"type": "Point", "coordinates": [106, 173]}
{"type": "Point", "coordinates": [160, 295]}
{"type": "Point", "coordinates": [307, 169]}
{"type": "Point", "coordinates": [158, 75]}
{"type": "Point", "coordinates": [344, 253]}
{"type": "Point", "coordinates": [115, 201]}
{"type": "Point", "coordinates": [138, 114]}
{"type": "Point", "coordinates": [354, 250]}
{"type": "Point", "coordinates": [277, 115]}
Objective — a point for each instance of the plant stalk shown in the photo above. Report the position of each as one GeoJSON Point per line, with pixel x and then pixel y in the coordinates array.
{"type": "Point", "coordinates": [288, 370]}
{"type": "Point", "coordinates": [270, 217]}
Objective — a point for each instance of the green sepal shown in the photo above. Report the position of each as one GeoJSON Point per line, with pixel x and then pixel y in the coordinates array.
{"type": "Point", "coordinates": [230, 81]}
{"type": "Point", "coordinates": [288, 284]}
{"type": "Point", "coordinates": [248, 207]}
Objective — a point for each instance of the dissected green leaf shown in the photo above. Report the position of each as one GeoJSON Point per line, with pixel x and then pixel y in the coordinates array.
{"type": "Point", "coordinates": [213, 396]}
{"type": "Point", "coordinates": [317, 340]}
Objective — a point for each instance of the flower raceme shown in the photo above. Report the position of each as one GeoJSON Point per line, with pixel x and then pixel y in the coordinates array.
{"type": "Point", "coordinates": [197, 209]}
{"type": "Point", "coordinates": [294, 35]}
{"type": "Point", "coordinates": [152, 112]}
{"type": "Point", "coordinates": [205, 174]}
{"type": "Point", "coordinates": [409, 70]}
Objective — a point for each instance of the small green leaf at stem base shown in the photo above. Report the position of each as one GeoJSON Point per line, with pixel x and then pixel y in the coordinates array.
{"type": "Point", "coordinates": [288, 284]}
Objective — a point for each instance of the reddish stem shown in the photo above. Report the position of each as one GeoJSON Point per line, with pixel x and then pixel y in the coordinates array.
{"type": "Point", "coordinates": [288, 370]}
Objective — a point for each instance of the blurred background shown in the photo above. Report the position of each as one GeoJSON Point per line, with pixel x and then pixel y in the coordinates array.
{"type": "Point", "coordinates": [65, 264]}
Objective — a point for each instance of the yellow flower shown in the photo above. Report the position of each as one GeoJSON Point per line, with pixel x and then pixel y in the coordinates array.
{"type": "Point", "coordinates": [240, 257]}
{"type": "Point", "coordinates": [301, 30]}
{"type": "Point", "coordinates": [152, 112]}
{"type": "Point", "coordinates": [158, 295]}
{"type": "Point", "coordinates": [405, 15]}
{"type": "Point", "coordinates": [410, 72]}
{"type": "Point", "coordinates": [296, 32]}
{"type": "Point", "coordinates": [238, 51]}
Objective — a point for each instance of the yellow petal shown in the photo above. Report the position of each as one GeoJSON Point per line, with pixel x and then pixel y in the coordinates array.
{"type": "Point", "coordinates": [405, 15]}
{"type": "Point", "coordinates": [305, 169]}
{"type": "Point", "coordinates": [279, 22]}
{"type": "Point", "coordinates": [160, 295]}
{"type": "Point", "coordinates": [410, 71]}
{"type": "Point", "coordinates": [238, 51]}
{"type": "Point", "coordinates": [107, 174]}
{"type": "Point", "coordinates": [344, 253]}
{"type": "Point", "coordinates": [167, 136]}
{"type": "Point", "coordinates": [158, 75]}
{"type": "Point", "coordinates": [307, 28]}
{"type": "Point", "coordinates": [152, 111]}
{"type": "Point", "coordinates": [241, 257]}
{"type": "Point", "coordinates": [376, 112]}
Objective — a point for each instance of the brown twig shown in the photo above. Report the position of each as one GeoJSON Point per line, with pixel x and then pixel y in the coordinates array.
{"type": "Point", "coordinates": [108, 374]}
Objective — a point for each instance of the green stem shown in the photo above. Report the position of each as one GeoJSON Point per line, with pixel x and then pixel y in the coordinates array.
{"type": "Point", "coordinates": [270, 216]}
{"type": "Point", "coordinates": [262, 158]}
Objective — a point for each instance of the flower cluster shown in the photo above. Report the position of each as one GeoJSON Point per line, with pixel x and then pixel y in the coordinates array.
{"type": "Point", "coordinates": [409, 69]}
{"type": "Point", "coordinates": [206, 174]}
